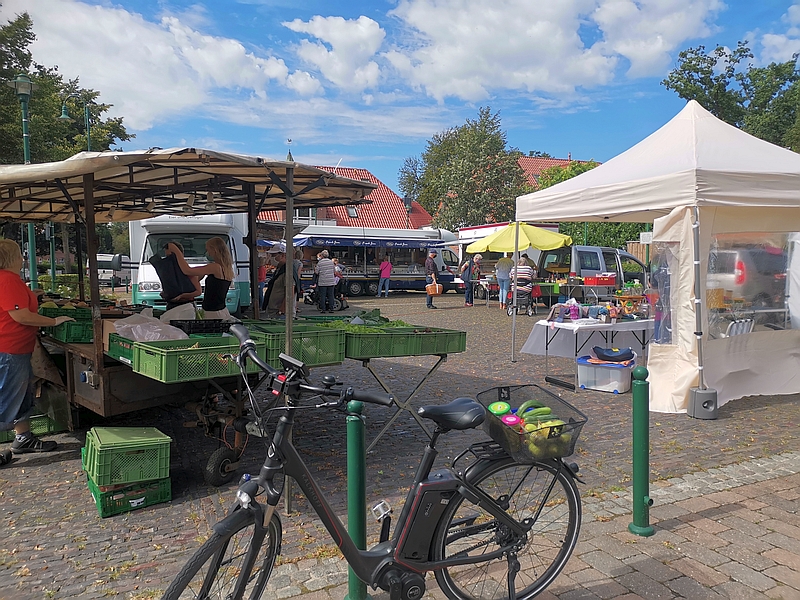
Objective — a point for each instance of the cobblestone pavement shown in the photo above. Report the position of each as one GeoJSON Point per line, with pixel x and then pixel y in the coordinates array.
{"type": "Point", "coordinates": [725, 514]}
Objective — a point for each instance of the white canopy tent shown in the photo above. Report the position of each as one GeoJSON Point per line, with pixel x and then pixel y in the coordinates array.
{"type": "Point", "coordinates": [736, 183]}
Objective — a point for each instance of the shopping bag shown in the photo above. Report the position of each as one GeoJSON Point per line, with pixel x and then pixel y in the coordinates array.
{"type": "Point", "coordinates": [173, 281]}
{"type": "Point", "coordinates": [434, 289]}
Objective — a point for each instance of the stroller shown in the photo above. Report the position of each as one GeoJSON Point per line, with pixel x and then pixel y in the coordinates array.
{"type": "Point", "coordinates": [527, 296]}
{"type": "Point", "coordinates": [310, 296]}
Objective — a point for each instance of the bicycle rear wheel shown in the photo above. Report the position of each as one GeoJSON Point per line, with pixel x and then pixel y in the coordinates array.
{"type": "Point", "coordinates": [214, 570]}
{"type": "Point", "coordinates": [541, 491]}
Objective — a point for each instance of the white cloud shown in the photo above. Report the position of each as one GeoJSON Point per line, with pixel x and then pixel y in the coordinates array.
{"type": "Point", "coordinates": [471, 50]}
{"type": "Point", "coordinates": [147, 70]}
{"type": "Point", "coordinates": [780, 47]}
{"type": "Point", "coordinates": [346, 60]}
{"type": "Point", "coordinates": [646, 31]}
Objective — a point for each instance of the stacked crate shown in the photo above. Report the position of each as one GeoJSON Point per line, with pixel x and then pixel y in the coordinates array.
{"type": "Point", "coordinates": [127, 468]}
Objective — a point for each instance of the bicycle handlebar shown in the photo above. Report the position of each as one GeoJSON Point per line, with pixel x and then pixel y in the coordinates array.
{"type": "Point", "coordinates": [248, 348]}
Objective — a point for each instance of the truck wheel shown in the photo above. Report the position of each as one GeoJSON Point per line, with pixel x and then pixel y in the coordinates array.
{"type": "Point", "coordinates": [356, 288]}
{"type": "Point", "coordinates": [480, 292]}
{"type": "Point", "coordinates": [372, 289]}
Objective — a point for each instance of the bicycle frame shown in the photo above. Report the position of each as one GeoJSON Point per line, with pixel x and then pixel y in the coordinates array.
{"type": "Point", "coordinates": [406, 548]}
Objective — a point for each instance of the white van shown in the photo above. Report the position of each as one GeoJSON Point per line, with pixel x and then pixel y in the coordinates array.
{"type": "Point", "coordinates": [106, 275]}
{"type": "Point", "coordinates": [148, 237]}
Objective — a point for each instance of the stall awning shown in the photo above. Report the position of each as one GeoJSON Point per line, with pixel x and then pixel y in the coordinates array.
{"type": "Point", "coordinates": [184, 181]}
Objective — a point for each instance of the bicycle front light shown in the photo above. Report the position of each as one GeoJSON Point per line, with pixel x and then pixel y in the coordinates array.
{"type": "Point", "coordinates": [243, 498]}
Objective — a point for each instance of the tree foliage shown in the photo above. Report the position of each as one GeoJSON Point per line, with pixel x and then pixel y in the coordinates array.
{"type": "Point", "coordinates": [466, 175]}
{"type": "Point", "coordinates": [612, 235]}
{"type": "Point", "coordinates": [763, 101]}
{"type": "Point", "coordinates": [51, 138]}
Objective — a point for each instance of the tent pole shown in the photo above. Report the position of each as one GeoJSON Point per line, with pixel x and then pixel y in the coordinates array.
{"type": "Point", "coordinates": [252, 234]}
{"type": "Point", "coordinates": [288, 276]}
{"type": "Point", "coordinates": [514, 295]}
{"type": "Point", "coordinates": [698, 304]}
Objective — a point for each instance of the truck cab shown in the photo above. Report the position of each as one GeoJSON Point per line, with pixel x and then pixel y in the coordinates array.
{"type": "Point", "coordinates": [149, 237]}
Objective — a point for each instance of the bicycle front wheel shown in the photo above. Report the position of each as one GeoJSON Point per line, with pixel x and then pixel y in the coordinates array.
{"type": "Point", "coordinates": [236, 563]}
{"type": "Point", "coordinates": [544, 492]}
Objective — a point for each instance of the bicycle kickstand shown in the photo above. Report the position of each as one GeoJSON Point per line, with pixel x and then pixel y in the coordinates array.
{"type": "Point", "coordinates": [513, 569]}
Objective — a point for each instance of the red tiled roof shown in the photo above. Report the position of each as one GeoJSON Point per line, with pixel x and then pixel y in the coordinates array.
{"type": "Point", "coordinates": [386, 210]}
{"type": "Point", "coordinates": [534, 165]}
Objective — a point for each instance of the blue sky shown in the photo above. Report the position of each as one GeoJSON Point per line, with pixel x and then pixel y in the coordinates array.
{"type": "Point", "coordinates": [368, 83]}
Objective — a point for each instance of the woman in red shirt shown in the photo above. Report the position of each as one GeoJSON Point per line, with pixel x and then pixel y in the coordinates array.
{"type": "Point", "coordinates": [19, 324]}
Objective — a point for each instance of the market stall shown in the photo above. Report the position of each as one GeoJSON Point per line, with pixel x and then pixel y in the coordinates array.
{"type": "Point", "coordinates": [707, 187]}
{"type": "Point", "coordinates": [93, 187]}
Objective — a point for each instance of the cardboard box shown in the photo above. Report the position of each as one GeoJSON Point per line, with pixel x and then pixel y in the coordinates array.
{"type": "Point", "coordinates": [108, 329]}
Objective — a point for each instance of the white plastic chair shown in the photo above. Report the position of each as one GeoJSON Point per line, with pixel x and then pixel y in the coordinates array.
{"type": "Point", "coordinates": [738, 327]}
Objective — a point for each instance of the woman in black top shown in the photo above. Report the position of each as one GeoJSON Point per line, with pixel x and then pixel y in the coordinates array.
{"type": "Point", "coordinates": [218, 273]}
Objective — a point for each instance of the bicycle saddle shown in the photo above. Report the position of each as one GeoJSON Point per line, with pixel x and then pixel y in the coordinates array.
{"type": "Point", "coordinates": [461, 413]}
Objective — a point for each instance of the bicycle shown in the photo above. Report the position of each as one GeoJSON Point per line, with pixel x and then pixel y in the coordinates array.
{"type": "Point", "coordinates": [488, 527]}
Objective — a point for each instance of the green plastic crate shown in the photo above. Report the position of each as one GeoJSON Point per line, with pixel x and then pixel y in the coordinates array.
{"type": "Point", "coordinates": [130, 497]}
{"type": "Point", "coordinates": [79, 314]}
{"type": "Point", "coordinates": [116, 455]}
{"type": "Point", "coordinates": [190, 360]}
{"type": "Point", "coordinates": [313, 318]}
{"type": "Point", "coordinates": [441, 341]}
{"type": "Point", "coordinates": [394, 341]}
{"type": "Point", "coordinates": [40, 425]}
{"type": "Point", "coordinates": [315, 346]}
{"type": "Point", "coordinates": [76, 332]}
{"type": "Point", "coordinates": [120, 348]}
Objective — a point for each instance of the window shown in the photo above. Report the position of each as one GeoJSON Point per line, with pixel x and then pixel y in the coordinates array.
{"type": "Point", "coordinates": [589, 261]}
{"type": "Point", "coordinates": [304, 213]}
{"type": "Point", "coordinates": [194, 245]}
{"type": "Point", "coordinates": [352, 212]}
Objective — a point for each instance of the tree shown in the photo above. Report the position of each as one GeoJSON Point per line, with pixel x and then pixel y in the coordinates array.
{"type": "Point", "coordinates": [51, 138]}
{"type": "Point", "coordinates": [466, 175]}
{"type": "Point", "coordinates": [538, 154]}
{"type": "Point", "coordinates": [763, 101]}
{"type": "Point", "coordinates": [612, 235]}
{"type": "Point", "coordinates": [120, 238]}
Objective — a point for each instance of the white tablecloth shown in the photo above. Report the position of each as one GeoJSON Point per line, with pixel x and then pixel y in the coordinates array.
{"type": "Point", "coordinates": [572, 339]}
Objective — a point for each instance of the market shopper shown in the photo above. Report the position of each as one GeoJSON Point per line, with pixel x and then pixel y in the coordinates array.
{"type": "Point", "coordinates": [326, 280]}
{"type": "Point", "coordinates": [385, 269]}
{"type": "Point", "coordinates": [430, 275]}
{"type": "Point", "coordinates": [187, 297]}
{"type": "Point", "coordinates": [218, 273]}
{"type": "Point", "coordinates": [502, 270]}
{"type": "Point", "coordinates": [274, 303]}
{"type": "Point", "coordinates": [523, 275]}
{"type": "Point", "coordinates": [19, 324]}
{"type": "Point", "coordinates": [470, 273]}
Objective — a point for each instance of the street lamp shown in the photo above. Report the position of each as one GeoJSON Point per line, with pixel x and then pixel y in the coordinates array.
{"type": "Point", "coordinates": [65, 116]}
{"type": "Point", "coordinates": [24, 87]}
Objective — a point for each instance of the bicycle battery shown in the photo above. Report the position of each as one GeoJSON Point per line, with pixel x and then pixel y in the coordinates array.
{"type": "Point", "coordinates": [431, 498]}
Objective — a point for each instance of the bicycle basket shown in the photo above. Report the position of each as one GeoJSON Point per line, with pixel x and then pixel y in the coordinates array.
{"type": "Point", "coordinates": [551, 435]}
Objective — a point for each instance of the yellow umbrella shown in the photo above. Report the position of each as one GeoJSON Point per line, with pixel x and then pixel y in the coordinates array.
{"type": "Point", "coordinates": [513, 238]}
{"type": "Point", "coordinates": [530, 236]}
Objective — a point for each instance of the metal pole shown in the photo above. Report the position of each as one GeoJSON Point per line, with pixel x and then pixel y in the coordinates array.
{"type": "Point", "coordinates": [52, 228]}
{"type": "Point", "coordinates": [356, 493]}
{"type": "Point", "coordinates": [698, 314]}
{"type": "Point", "coordinates": [26, 152]}
{"type": "Point", "coordinates": [641, 454]}
{"type": "Point", "coordinates": [289, 278]}
{"type": "Point", "coordinates": [514, 295]}
{"type": "Point", "coordinates": [87, 125]}
{"type": "Point", "coordinates": [252, 234]}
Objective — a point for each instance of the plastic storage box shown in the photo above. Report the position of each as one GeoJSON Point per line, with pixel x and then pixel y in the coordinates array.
{"type": "Point", "coordinates": [116, 455]}
{"type": "Point", "coordinates": [606, 377]}
{"type": "Point", "coordinates": [40, 425]}
{"type": "Point", "coordinates": [130, 497]}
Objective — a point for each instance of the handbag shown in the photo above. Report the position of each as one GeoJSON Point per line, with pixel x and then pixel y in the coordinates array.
{"type": "Point", "coordinates": [434, 289]}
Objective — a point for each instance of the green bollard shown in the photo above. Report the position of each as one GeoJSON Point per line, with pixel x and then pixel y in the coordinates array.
{"type": "Point", "coordinates": [356, 493]}
{"type": "Point", "coordinates": [641, 454]}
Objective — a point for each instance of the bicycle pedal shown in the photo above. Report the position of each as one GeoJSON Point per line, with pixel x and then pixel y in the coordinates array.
{"type": "Point", "coordinates": [381, 510]}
